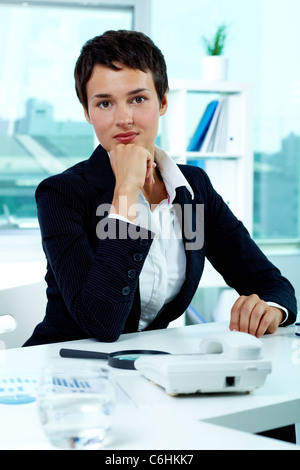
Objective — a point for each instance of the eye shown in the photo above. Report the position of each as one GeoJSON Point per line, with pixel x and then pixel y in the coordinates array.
{"type": "Point", "coordinates": [139, 99]}
{"type": "Point", "coordinates": [104, 104]}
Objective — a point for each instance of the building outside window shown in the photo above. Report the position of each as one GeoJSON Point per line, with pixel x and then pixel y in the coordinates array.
{"type": "Point", "coordinates": [42, 127]}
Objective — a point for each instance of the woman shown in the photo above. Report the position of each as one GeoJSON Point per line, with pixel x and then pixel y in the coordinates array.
{"type": "Point", "coordinates": [126, 232]}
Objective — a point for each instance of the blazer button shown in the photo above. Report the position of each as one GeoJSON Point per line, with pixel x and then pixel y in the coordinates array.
{"type": "Point", "coordinates": [131, 273]}
{"type": "Point", "coordinates": [137, 257]}
{"type": "Point", "coordinates": [144, 242]}
{"type": "Point", "coordinates": [126, 290]}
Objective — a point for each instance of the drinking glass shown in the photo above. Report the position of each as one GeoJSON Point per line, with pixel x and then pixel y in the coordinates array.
{"type": "Point", "coordinates": [76, 404]}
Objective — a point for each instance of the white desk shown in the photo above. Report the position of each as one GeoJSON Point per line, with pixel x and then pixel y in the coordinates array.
{"type": "Point", "coordinates": [154, 420]}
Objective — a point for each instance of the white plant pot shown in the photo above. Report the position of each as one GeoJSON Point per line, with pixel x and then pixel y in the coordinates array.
{"type": "Point", "coordinates": [214, 68]}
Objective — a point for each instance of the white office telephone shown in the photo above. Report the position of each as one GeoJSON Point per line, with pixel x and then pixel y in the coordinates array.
{"type": "Point", "coordinates": [226, 362]}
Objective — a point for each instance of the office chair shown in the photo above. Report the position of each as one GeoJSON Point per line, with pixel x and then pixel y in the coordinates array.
{"type": "Point", "coordinates": [21, 309]}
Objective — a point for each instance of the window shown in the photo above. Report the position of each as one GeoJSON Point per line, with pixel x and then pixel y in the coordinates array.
{"type": "Point", "coordinates": [262, 48]}
{"type": "Point", "coordinates": [42, 126]}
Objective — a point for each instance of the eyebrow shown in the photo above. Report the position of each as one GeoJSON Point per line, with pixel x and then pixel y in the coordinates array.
{"type": "Point", "coordinates": [130, 93]}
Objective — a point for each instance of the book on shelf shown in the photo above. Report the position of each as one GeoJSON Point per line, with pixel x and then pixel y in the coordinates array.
{"type": "Point", "coordinates": [203, 126]}
{"type": "Point", "coordinates": [213, 138]}
{"type": "Point", "coordinates": [223, 131]}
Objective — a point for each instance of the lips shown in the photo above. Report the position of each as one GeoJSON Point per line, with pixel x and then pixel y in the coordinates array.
{"type": "Point", "coordinates": [125, 137]}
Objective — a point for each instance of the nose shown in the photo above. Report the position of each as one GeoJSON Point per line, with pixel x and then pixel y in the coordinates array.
{"type": "Point", "coordinates": [123, 116]}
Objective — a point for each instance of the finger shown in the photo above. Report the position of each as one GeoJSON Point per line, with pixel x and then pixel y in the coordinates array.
{"type": "Point", "coordinates": [235, 313]}
{"type": "Point", "coordinates": [278, 315]}
{"type": "Point", "coordinates": [252, 305]}
{"type": "Point", "coordinates": [149, 173]}
{"type": "Point", "coordinates": [270, 321]}
{"type": "Point", "coordinates": [241, 312]}
{"type": "Point", "coordinates": [258, 319]}
{"type": "Point", "coordinates": [263, 326]}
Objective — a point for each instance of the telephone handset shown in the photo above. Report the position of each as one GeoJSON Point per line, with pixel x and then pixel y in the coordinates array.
{"type": "Point", "coordinates": [234, 345]}
{"type": "Point", "coordinates": [225, 362]}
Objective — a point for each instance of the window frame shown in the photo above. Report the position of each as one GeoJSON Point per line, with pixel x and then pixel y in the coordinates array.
{"type": "Point", "coordinates": [273, 247]}
{"type": "Point", "coordinates": [141, 8]}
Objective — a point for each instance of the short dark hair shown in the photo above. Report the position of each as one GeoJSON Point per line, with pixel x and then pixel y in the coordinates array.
{"type": "Point", "coordinates": [131, 48]}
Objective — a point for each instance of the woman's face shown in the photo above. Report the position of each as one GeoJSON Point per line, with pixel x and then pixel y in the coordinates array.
{"type": "Point", "coordinates": [123, 107]}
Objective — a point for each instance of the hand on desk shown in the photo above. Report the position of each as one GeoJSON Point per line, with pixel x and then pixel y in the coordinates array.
{"type": "Point", "coordinates": [252, 315]}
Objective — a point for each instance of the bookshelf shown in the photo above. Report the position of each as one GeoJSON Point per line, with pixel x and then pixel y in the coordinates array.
{"type": "Point", "coordinates": [230, 170]}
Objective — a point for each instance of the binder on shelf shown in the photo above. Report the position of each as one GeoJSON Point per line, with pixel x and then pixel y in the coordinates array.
{"type": "Point", "coordinates": [223, 135]}
{"type": "Point", "coordinates": [219, 143]}
{"type": "Point", "coordinates": [208, 144]}
{"type": "Point", "coordinates": [203, 126]}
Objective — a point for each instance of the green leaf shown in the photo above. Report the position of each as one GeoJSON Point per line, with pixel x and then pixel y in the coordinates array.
{"type": "Point", "coordinates": [216, 45]}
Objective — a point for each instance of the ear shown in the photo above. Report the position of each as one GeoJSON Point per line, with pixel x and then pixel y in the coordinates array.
{"type": "Point", "coordinates": [87, 117]}
{"type": "Point", "coordinates": [164, 105]}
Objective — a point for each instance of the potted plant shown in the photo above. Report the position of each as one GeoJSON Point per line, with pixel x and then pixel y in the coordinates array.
{"type": "Point", "coordinates": [214, 63]}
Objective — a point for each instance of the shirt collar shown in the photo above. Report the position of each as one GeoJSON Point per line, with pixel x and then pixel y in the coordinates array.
{"type": "Point", "coordinates": [171, 174]}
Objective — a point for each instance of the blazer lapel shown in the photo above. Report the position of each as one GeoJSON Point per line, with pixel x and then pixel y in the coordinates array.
{"type": "Point", "coordinates": [100, 176]}
{"type": "Point", "coordinates": [192, 230]}
{"type": "Point", "coordinates": [98, 171]}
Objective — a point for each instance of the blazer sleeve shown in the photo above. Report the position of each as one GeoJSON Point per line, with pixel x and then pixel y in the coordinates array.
{"type": "Point", "coordinates": [98, 281]}
{"type": "Point", "coordinates": [235, 255]}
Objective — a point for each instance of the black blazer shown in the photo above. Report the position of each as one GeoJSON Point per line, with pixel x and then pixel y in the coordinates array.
{"type": "Point", "coordinates": [93, 285]}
